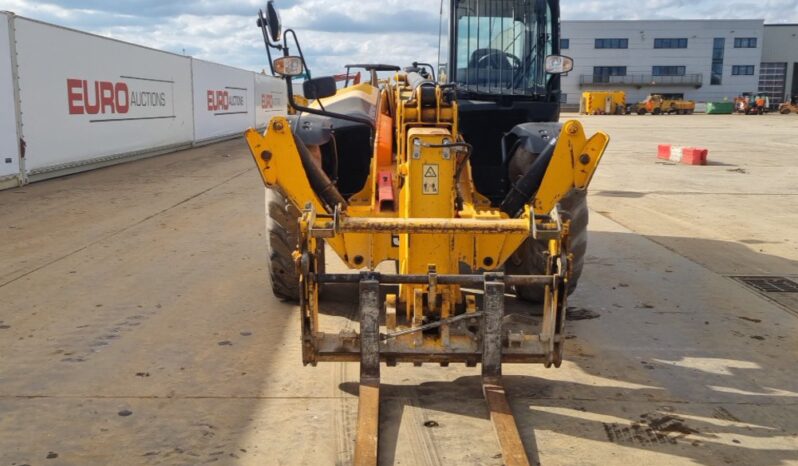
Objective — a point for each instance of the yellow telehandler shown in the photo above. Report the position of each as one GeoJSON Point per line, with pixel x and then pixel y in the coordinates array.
{"type": "Point", "coordinates": [469, 185]}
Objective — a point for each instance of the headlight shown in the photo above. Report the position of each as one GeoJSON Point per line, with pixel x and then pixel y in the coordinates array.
{"type": "Point", "coordinates": [288, 66]}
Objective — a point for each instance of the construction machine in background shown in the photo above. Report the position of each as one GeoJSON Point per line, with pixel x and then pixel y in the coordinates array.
{"type": "Point", "coordinates": [752, 103]}
{"type": "Point", "coordinates": [656, 104]}
{"type": "Point", "coordinates": [468, 184]}
{"type": "Point", "coordinates": [789, 107]}
{"type": "Point", "coordinates": [603, 103]}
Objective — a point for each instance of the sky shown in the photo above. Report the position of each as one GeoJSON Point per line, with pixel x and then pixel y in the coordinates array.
{"type": "Point", "coordinates": [334, 32]}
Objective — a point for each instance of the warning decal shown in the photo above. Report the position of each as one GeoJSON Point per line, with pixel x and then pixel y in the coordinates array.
{"type": "Point", "coordinates": [430, 180]}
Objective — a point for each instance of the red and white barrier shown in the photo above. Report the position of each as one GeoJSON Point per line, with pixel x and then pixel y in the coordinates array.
{"type": "Point", "coordinates": [685, 155]}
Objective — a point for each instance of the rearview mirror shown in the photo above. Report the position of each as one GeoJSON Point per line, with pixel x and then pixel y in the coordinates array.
{"type": "Point", "coordinates": [559, 64]}
{"type": "Point", "coordinates": [319, 88]}
{"type": "Point", "coordinates": [273, 22]}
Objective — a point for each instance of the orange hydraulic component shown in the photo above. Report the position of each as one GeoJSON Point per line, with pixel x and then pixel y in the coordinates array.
{"type": "Point", "coordinates": [383, 140]}
{"type": "Point", "coordinates": [385, 190]}
{"type": "Point", "coordinates": [383, 155]}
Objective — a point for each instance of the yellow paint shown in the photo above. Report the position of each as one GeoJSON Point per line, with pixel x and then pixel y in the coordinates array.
{"type": "Point", "coordinates": [602, 102]}
{"type": "Point", "coordinates": [425, 188]}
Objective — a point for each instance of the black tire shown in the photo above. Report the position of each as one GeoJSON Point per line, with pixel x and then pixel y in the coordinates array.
{"type": "Point", "coordinates": [657, 111]}
{"type": "Point", "coordinates": [530, 258]}
{"type": "Point", "coordinates": [283, 232]}
{"type": "Point", "coordinates": [641, 111]}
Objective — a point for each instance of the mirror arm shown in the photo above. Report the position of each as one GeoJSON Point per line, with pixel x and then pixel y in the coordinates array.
{"type": "Point", "coordinates": [267, 41]}
{"type": "Point", "coordinates": [268, 52]}
{"type": "Point", "coordinates": [298, 48]}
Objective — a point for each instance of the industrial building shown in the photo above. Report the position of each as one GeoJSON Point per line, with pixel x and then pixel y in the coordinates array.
{"type": "Point", "coordinates": [701, 60]}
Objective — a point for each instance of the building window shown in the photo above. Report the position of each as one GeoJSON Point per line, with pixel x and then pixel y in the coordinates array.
{"type": "Point", "coordinates": [670, 43]}
{"type": "Point", "coordinates": [565, 44]}
{"type": "Point", "coordinates": [668, 70]}
{"type": "Point", "coordinates": [612, 43]}
{"type": "Point", "coordinates": [601, 74]}
{"type": "Point", "coordinates": [745, 42]}
{"type": "Point", "coordinates": [718, 46]}
{"type": "Point", "coordinates": [742, 70]}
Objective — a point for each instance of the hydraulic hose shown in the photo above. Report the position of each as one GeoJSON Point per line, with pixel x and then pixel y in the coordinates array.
{"type": "Point", "coordinates": [319, 182]}
{"type": "Point", "coordinates": [525, 189]}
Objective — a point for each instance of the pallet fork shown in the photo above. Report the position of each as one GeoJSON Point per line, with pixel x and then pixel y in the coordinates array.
{"type": "Point", "coordinates": [367, 439]}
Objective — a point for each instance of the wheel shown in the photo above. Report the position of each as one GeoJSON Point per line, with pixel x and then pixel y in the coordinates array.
{"type": "Point", "coordinates": [657, 111]}
{"type": "Point", "coordinates": [282, 227]}
{"type": "Point", "coordinates": [641, 111]}
{"type": "Point", "coordinates": [784, 111]}
{"type": "Point", "coordinates": [530, 257]}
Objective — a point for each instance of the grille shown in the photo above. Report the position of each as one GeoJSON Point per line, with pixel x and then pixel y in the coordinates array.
{"type": "Point", "coordinates": [769, 284]}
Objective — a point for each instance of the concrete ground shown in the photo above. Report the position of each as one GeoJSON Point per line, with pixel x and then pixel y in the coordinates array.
{"type": "Point", "coordinates": [137, 325]}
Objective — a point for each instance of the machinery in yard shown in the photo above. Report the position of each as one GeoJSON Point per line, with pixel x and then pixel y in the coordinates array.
{"type": "Point", "coordinates": [751, 103]}
{"type": "Point", "coordinates": [657, 105]}
{"type": "Point", "coordinates": [789, 107]}
{"type": "Point", "coordinates": [469, 185]}
{"type": "Point", "coordinates": [603, 103]}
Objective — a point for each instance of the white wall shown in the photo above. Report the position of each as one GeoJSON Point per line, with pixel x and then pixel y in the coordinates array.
{"type": "Point", "coordinates": [223, 100]}
{"type": "Point", "coordinates": [641, 55]}
{"type": "Point", "coordinates": [9, 143]}
{"type": "Point", "coordinates": [84, 97]}
{"type": "Point", "coordinates": [87, 101]}
{"type": "Point", "coordinates": [270, 99]}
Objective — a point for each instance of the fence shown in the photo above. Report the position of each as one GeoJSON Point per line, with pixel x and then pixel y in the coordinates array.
{"type": "Point", "coordinates": [72, 101]}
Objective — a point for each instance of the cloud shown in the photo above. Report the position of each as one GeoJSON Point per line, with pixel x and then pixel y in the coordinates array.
{"type": "Point", "coordinates": [334, 32]}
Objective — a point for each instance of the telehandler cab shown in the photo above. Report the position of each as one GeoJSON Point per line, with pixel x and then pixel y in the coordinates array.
{"type": "Point", "coordinates": [467, 182]}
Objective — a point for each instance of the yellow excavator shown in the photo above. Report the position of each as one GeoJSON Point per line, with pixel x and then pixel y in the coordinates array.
{"type": "Point", "coordinates": [467, 182]}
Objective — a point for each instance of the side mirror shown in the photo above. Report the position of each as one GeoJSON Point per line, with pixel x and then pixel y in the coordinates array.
{"type": "Point", "coordinates": [319, 88]}
{"type": "Point", "coordinates": [559, 64]}
{"type": "Point", "coordinates": [273, 22]}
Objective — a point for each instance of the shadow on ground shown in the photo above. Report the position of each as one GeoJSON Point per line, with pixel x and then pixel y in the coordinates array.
{"type": "Point", "coordinates": [695, 368]}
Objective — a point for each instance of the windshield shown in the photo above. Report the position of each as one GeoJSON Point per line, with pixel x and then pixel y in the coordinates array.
{"type": "Point", "coordinates": [500, 45]}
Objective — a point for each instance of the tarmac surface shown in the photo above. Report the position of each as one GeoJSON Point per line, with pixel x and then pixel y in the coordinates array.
{"type": "Point", "coordinates": [137, 324]}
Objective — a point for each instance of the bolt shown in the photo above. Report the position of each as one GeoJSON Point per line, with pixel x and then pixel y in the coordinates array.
{"type": "Point", "coordinates": [584, 159]}
{"type": "Point", "coordinates": [266, 155]}
{"type": "Point", "coordinates": [572, 128]}
{"type": "Point", "coordinates": [277, 125]}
